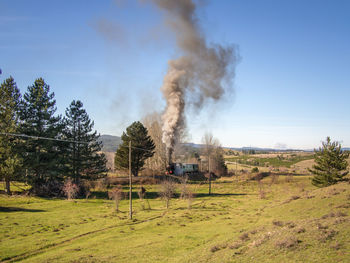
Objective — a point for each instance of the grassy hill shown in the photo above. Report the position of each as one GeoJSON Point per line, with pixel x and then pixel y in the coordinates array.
{"type": "Point", "coordinates": [281, 220]}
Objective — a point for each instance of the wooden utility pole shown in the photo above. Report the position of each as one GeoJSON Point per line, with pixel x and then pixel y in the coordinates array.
{"type": "Point", "coordinates": [209, 174]}
{"type": "Point", "coordinates": [130, 183]}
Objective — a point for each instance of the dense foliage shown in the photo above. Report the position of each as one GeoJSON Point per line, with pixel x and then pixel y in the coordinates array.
{"type": "Point", "coordinates": [83, 160]}
{"type": "Point", "coordinates": [39, 147]}
{"type": "Point", "coordinates": [9, 106]}
{"type": "Point", "coordinates": [142, 148]}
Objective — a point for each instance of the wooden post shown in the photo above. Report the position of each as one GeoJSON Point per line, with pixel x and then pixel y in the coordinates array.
{"type": "Point", "coordinates": [209, 175]}
{"type": "Point", "coordinates": [130, 183]}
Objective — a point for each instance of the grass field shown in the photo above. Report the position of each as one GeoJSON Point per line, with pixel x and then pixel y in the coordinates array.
{"type": "Point", "coordinates": [285, 221]}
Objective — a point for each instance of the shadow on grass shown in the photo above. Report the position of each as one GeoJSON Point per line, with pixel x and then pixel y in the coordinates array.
{"type": "Point", "coordinates": [154, 195]}
{"type": "Point", "coordinates": [19, 209]}
{"type": "Point", "coordinates": [216, 195]}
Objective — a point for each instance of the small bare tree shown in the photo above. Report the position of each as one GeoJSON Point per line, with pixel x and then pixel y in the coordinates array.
{"type": "Point", "coordinates": [262, 193]}
{"type": "Point", "coordinates": [142, 193]}
{"type": "Point", "coordinates": [116, 194]}
{"type": "Point", "coordinates": [167, 190]}
{"type": "Point", "coordinates": [70, 189]}
{"type": "Point", "coordinates": [185, 192]}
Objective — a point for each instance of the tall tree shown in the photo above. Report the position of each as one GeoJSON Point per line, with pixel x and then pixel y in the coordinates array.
{"type": "Point", "coordinates": [83, 160]}
{"type": "Point", "coordinates": [41, 157]}
{"type": "Point", "coordinates": [331, 164]}
{"type": "Point", "coordinates": [142, 148]}
{"type": "Point", "coordinates": [9, 107]}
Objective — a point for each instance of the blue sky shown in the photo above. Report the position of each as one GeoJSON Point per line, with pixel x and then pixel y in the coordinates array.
{"type": "Point", "coordinates": [291, 89]}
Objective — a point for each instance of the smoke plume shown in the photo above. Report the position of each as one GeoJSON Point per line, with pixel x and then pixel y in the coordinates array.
{"type": "Point", "coordinates": [202, 73]}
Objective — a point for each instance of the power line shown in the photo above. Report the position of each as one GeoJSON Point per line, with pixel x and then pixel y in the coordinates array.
{"type": "Point", "coordinates": [133, 147]}
{"type": "Point", "coordinates": [40, 138]}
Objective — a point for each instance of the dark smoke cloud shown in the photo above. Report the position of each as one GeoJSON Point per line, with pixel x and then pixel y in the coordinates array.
{"type": "Point", "coordinates": [111, 31]}
{"type": "Point", "coordinates": [203, 72]}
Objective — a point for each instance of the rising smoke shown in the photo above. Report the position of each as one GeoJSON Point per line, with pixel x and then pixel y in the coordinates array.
{"type": "Point", "coordinates": [202, 73]}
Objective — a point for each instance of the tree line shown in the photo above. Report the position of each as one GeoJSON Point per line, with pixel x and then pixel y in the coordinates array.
{"type": "Point", "coordinates": [44, 149]}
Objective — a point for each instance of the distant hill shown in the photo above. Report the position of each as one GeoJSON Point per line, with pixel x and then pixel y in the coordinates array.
{"type": "Point", "coordinates": [246, 149]}
{"type": "Point", "coordinates": [110, 143]}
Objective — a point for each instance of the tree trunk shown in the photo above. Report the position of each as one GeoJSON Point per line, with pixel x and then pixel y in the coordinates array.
{"type": "Point", "coordinates": [7, 186]}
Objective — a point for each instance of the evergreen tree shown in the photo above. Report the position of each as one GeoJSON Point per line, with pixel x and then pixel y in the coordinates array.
{"type": "Point", "coordinates": [83, 160]}
{"type": "Point", "coordinates": [142, 148]}
{"type": "Point", "coordinates": [41, 157]}
{"type": "Point", "coordinates": [331, 164]}
{"type": "Point", "coordinates": [9, 106]}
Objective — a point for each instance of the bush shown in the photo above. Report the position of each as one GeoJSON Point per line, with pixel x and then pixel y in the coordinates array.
{"type": "Point", "coordinates": [70, 189]}
{"type": "Point", "coordinates": [167, 189]}
{"type": "Point", "coordinates": [116, 194]}
{"type": "Point", "coordinates": [48, 189]}
{"type": "Point", "coordinates": [288, 242]}
{"type": "Point", "coordinates": [255, 170]}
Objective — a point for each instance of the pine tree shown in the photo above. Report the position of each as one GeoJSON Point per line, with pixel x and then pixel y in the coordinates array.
{"type": "Point", "coordinates": [41, 157]}
{"type": "Point", "coordinates": [83, 160]}
{"type": "Point", "coordinates": [9, 107]}
{"type": "Point", "coordinates": [331, 164]}
{"type": "Point", "coordinates": [142, 148]}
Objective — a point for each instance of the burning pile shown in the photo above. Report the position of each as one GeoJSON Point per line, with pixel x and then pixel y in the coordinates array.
{"type": "Point", "coordinates": [197, 76]}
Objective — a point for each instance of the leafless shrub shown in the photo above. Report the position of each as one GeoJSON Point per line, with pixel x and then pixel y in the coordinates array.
{"type": "Point", "coordinates": [260, 241]}
{"type": "Point", "coordinates": [101, 185]}
{"type": "Point", "coordinates": [336, 246]}
{"type": "Point", "coordinates": [186, 193]}
{"type": "Point", "coordinates": [300, 230]}
{"type": "Point", "coordinates": [327, 235]}
{"type": "Point", "coordinates": [290, 224]}
{"type": "Point", "coordinates": [277, 223]}
{"type": "Point", "coordinates": [288, 242]}
{"type": "Point", "coordinates": [274, 178]}
{"type": "Point", "coordinates": [142, 193]}
{"type": "Point", "coordinates": [295, 197]}
{"type": "Point", "coordinates": [262, 193]}
{"type": "Point", "coordinates": [321, 227]}
{"type": "Point", "coordinates": [218, 247]}
{"type": "Point", "coordinates": [117, 195]}
{"type": "Point", "coordinates": [339, 221]}
{"type": "Point", "coordinates": [88, 185]}
{"type": "Point", "coordinates": [244, 237]}
{"type": "Point", "coordinates": [253, 232]}
{"type": "Point", "coordinates": [70, 189]}
{"type": "Point", "coordinates": [347, 205]}
{"type": "Point", "coordinates": [235, 245]}
{"type": "Point", "coordinates": [214, 248]}
{"type": "Point", "coordinates": [340, 214]}
{"type": "Point", "coordinates": [167, 190]}
{"type": "Point", "coordinates": [289, 178]}
{"type": "Point", "coordinates": [328, 215]}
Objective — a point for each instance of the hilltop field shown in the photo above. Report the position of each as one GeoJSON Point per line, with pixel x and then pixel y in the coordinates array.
{"type": "Point", "coordinates": [282, 218]}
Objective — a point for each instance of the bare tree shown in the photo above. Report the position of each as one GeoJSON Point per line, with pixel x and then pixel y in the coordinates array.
{"type": "Point", "coordinates": [167, 190]}
{"type": "Point", "coordinates": [186, 192]}
{"type": "Point", "coordinates": [70, 189]}
{"type": "Point", "coordinates": [117, 195]}
{"type": "Point", "coordinates": [154, 126]}
{"type": "Point", "coordinates": [210, 147]}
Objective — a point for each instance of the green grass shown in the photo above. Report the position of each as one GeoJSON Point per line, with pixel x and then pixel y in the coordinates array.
{"type": "Point", "coordinates": [271, 161]}
{"type": "Point", "coordinates": [232, 225]}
